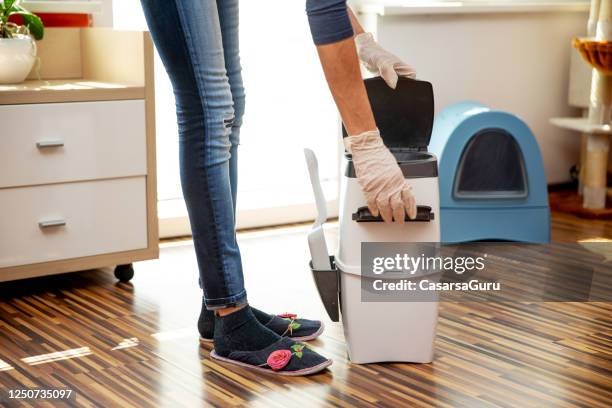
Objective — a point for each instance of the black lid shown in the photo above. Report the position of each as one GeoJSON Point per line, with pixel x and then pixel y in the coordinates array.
{"type": "Point", "coordinates": [403, 115]}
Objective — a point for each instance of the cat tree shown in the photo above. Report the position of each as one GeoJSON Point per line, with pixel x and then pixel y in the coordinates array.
{"type": "Point", "coordinates": [596, 49]}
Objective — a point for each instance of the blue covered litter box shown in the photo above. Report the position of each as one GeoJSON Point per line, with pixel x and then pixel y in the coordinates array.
{"type": "Point", "coordinates": [492, 182]}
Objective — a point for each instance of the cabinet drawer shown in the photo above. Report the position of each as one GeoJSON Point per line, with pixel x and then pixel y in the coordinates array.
{"type": "Point", "coordinates": [59, 142]}
{"type": "Point", "coordinates": [62, 221]}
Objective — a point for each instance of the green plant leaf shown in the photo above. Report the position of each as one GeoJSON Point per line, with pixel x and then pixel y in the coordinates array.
{"type": "Point", "coordinates": [298, 354]}
{"type": "Point", "coordinates": [34, 24]}
{"type": "Point", "coordinates": [7, 4]}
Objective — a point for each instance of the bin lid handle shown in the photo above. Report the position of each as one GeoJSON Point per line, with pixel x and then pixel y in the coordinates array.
{"type": "Point", "coordinates": [363, 214]}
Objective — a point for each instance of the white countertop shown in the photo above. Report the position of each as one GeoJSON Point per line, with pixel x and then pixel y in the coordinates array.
{"type": "Point", "coordinates": [63, 6]}
{"type": "Point", "coordinates": [415, 7]}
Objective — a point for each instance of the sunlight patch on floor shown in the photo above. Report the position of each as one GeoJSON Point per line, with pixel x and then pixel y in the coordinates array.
{"type": "Point", "coordinates": [4, 366]}
{"type": "Point", "coordinates": [57, 356]}
{"type": "Point", "coordinates": [600, 246]}
{"type": "Point", "coordinates": [126, 343]}
{"type": "Point", "coordinates": [174, 334]}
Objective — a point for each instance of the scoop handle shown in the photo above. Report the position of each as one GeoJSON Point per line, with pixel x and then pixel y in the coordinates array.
{"type": "Point", "coordinates": [313, 170]}
{"type": "Point", "coordinates": [316, 237]}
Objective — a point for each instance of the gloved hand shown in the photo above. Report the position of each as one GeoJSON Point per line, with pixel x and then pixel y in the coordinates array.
{"type": "Point", "coordinates": [383, 184]}
{"type": "Point", "coordinates": [380, 61]}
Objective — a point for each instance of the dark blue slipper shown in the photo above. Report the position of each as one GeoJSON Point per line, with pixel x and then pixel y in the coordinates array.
{"type": "Point", "coordinates": [284, 357]}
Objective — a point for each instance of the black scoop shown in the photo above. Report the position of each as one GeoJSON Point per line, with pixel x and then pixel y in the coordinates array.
{"type": "Point", "coordinates": [403, 115]}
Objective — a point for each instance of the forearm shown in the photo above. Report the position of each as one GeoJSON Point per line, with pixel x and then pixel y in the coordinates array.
{"type": "Point", "coordinates": [332, 32]}
{"type": "Point", "coordinates": [333, 27]}
{"type": "Point", "coordinates": [341, 68]}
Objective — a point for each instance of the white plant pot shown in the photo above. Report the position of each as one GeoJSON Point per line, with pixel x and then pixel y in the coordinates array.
{"type": "Point", "coordinates": [17, 56]}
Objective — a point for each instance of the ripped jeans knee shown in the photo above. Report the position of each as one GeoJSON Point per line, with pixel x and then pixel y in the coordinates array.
{"type": "Point", "coordinates": [218, 138]}
{"type": "Point", "coordinates": [236, 121]}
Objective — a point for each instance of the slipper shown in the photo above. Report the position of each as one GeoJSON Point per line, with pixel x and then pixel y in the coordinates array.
{"type": "Point", "coordinates": [283, 357]}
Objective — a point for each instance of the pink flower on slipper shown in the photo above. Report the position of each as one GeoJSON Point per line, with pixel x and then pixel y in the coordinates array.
{"type": "Point", "coordinates": [287, 316]}
{"type": "Point", "coordinates": [279, 359]}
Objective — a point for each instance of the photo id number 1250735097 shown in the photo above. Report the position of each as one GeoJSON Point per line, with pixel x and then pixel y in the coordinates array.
{"type": "Point", "coordinates": [37, 394]}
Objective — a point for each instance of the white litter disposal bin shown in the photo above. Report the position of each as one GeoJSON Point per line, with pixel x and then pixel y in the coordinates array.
{"type": "Point", "coordinates": [402, 331]}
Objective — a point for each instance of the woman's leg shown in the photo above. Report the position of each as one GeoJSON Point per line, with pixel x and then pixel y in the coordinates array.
{"type": "Point", "coordinates": [229, 21]}
{"type": "Point", "coordinates": [229, 18]}
{"type": "Point", "coordinates": [332, 33]}
{"type": "Point", "coordinates": [188, 37]}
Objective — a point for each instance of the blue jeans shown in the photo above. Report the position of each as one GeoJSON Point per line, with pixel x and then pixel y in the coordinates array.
{"type": "Point", "coordinates": [197, 41]}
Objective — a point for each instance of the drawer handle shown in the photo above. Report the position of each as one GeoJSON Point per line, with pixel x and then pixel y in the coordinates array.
{"type": "Point", "coordinates": [49, 143]}
{"type": "Point", "coordinates": [51, 223]}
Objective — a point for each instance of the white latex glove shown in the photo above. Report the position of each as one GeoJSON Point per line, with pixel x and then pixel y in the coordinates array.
{"type": "Point", "coordinates": [379, 61]}
{"type": "Point", "coordinates": [380, 177]}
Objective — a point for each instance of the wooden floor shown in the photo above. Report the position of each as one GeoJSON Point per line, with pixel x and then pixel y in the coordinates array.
{"type": "Point", "coordinates": [123, 345]}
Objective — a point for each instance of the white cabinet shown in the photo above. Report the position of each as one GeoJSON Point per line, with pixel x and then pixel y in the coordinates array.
{"type": "Point", "coordinates": [59, 142]}
{"type": "Point", "coordinates": [77, 156]}
{"type": "Point", "coordinates": [70, 220]}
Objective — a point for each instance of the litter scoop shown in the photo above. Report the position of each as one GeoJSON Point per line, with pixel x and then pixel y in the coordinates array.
{"type": "Point", "coordinates": [323, 268]}
{"type": "Point", "coordinates": [316, 237]}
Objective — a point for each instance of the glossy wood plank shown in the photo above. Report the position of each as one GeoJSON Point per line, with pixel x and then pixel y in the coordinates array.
{"type": "Point", "coordinates": [136, 345]}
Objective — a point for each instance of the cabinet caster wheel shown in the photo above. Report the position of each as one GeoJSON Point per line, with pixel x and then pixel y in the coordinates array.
{"type": "Point", "coordinates": [124, 272]}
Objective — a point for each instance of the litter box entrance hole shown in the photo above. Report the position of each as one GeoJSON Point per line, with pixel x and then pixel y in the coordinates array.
{"type": "Point", "coordinates": [491, 166]}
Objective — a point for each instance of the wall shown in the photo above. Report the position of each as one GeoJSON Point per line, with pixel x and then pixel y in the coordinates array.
{"type": "Point", "coordinates": [105, 17]}
{"type": "Point", "coordinates": [511, 61]}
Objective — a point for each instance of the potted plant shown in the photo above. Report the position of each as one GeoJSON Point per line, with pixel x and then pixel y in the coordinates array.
{"type": "Point", "coordinates": [17, 46]}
